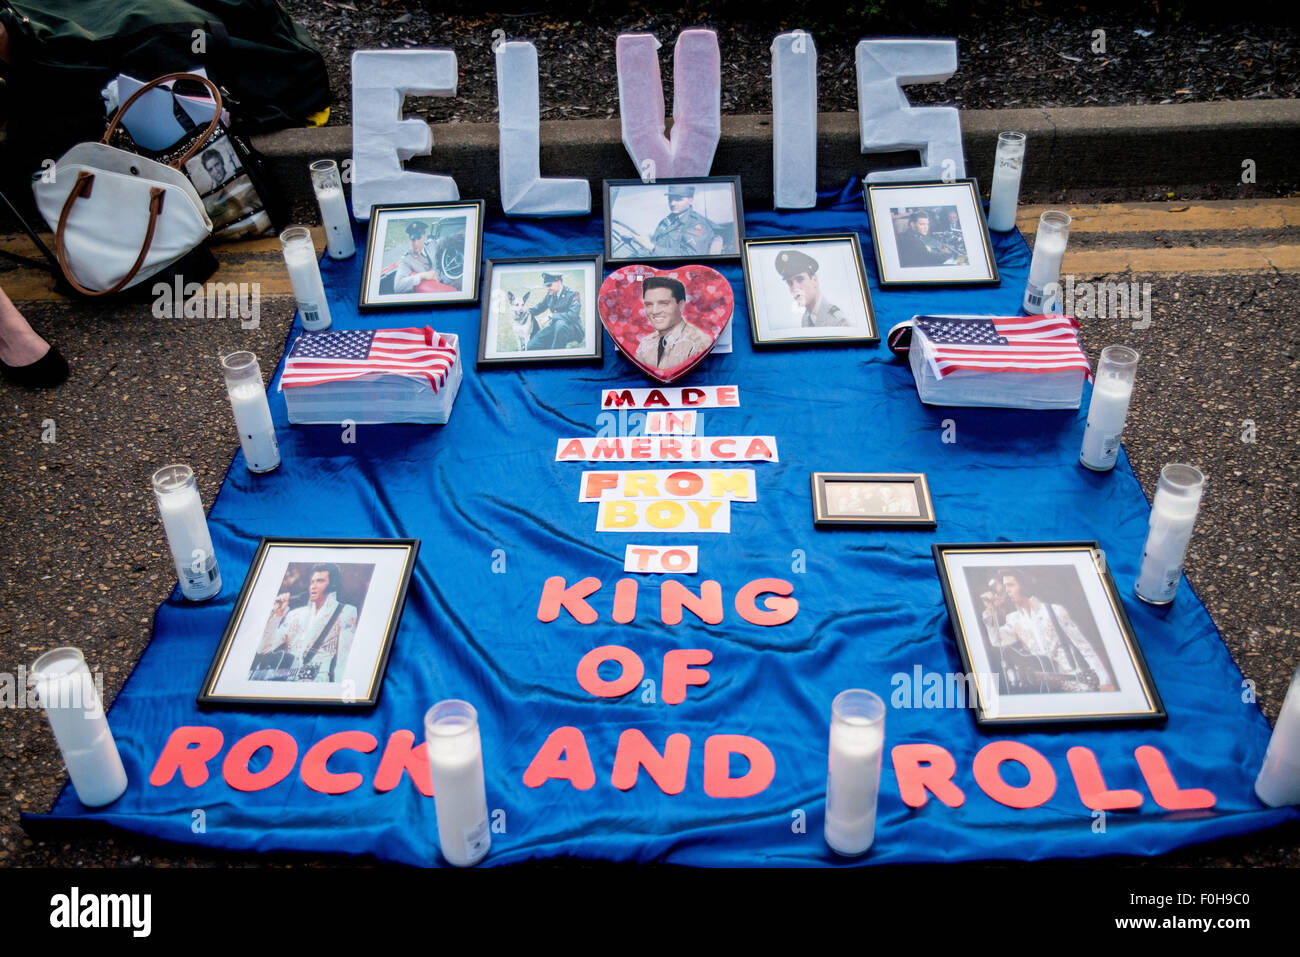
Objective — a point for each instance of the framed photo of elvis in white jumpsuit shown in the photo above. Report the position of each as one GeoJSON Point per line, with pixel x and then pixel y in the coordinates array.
{"type": "Point", "coordinates": [1043, 634]}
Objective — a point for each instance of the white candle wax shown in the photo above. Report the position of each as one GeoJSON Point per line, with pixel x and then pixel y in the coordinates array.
{"type": "Point", "coordinates": [256, 431]}
{"type": "Point", "coordinates": [76, 717]}
{"type": "Point", "coordinates": [1044, 269]}
{"type": "Point", "coordinates": [182, 517]}
{"type": "Point", "coordinates": [459, 797]}
{"type": "Point", "coordinates": [1162, 556]}
{"type": "Point", "coordinates": [1110, 400]}
{"type": "Point", "coordinates": [852, 785]}
{"type": "Point", "coordinates": [1279, 778]}
{"type": "Point", "coordinates": [304, 276]}
{"type": "Point", "coordinates": [334, 217]}
{"type": "Point", "coordinates": [1003, 197]}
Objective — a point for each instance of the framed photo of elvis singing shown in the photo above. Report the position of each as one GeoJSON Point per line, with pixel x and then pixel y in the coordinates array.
{"type": "Point", "coordinates": [680, 220]}
{"type": "Point", "coordinates": [313, 624]}
{"type": "Point", "coordinates": [1042, 631]}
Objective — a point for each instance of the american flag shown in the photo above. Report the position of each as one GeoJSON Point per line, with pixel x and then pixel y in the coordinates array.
{"type": "Point", "coordinates": [335, 356]}
{"type": "Point", "coordinates": [1003, 344]}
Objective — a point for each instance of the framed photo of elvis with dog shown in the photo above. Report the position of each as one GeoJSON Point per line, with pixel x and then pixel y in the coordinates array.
{"type": "Point", "coordinates": [1043, 635]}
{"type": "Point", "coordinates": [313, 624]}
{"type": "Point", "coordinates": [540, 311]}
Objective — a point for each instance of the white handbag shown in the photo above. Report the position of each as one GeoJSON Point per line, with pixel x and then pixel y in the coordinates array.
{"type": "Point", "coordinates": [119, 218]}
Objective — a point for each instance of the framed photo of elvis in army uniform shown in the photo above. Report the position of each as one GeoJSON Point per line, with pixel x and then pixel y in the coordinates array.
{"type": "Point", "coordinates": [1043, 634]}
{"type": "Point", "coordinates": [313, 624]}
{"type": "Point", "coordinates": [808, 290]}
{"type": "Point", "coordinates": [540, 310]}
{"type": "Point", "coordinates": [683, 220]}
{"type": "Point", "coordinates": [422, 254]}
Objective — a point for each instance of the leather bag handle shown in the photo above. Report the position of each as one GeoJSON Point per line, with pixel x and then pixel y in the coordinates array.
{"type": "Point", "coordinates": [85, 182]}
{"type": "Point", "coordinates": [203, 138]}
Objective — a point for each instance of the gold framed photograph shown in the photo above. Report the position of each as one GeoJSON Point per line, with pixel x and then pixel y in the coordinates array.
{"type": "Point", "coordinates": [871, 498]}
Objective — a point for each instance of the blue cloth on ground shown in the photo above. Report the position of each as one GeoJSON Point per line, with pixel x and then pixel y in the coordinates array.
{"type": "Point", "coordinates": [485, 491]}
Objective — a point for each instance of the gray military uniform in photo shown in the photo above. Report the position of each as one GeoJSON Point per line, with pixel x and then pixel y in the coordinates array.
{"type": "Point", "coordinates": [792, 262]}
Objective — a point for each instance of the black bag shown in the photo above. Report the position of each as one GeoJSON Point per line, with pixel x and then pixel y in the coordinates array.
{"type": "Point", "coordinates": [63, 52]}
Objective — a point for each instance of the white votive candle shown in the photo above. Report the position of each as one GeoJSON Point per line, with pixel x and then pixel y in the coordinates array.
{"type": "Point", "coordinates": [76, 717]}
{"type": "Point", "coordinates": [1279, 779]}
{"type": "Point", "coordinates": [304, 276]}
{"type": "Point", "coordinates": [1111, 392]}
{"type": "Point", "coordinates": [183, 520]}
{"type": "Point", "coordinates": [328, 187]}
{"type": "Point", "coordinates": [459, 794]}
{"type": "Point", "coordinates": [1004, 193]}
{"type": "Point", "coordinates": [1173, 515]}
{"type": "Point", "coordinates": [857, 744]}
{"type": "Point", "coordinates": [251, 410]}
{"type": "Point", "coordinates": [1043, 288]}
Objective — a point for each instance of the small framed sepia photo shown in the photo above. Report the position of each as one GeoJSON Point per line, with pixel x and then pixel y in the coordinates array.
{"type": "Point", "coordinates": [930, 234]}
{"type": "Point", "coordinates": [422, 254]}
{"type": "Point", "coordinates": [540, 311]}
{"type": "Point", "coordinates": [313, 625]}
{"type": "Point", "coordinates": [871, 498]}
{"type": "Point", "coordinates": [682, 220]}
{"type": "Point", "coordinates": [1044, 635]}
{"type": "Point", "coordinates": [806, 290]}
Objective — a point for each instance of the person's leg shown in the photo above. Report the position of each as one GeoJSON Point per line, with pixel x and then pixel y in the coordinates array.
{"type": "Point", "coordinates": [25, 358]}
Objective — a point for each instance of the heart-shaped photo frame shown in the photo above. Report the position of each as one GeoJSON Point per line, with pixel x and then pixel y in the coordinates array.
{"type": "Point", "coordinates": [667, 329]}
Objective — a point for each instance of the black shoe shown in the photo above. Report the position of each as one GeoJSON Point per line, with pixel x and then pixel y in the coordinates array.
{"type": "Point", "coordinates": [46, 372]}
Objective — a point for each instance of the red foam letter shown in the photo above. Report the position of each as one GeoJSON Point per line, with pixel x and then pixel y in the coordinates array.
{"type": "Point", "coordinates": [780, 610]}
{"type": "Point", "coordinates": [403, 754]}
{"type": "Point", "coordinates": [674, 596]}
{"type": "Point", "coordinates": [598, 482]}
{"type": "Point", "coordinates": [925, 766]}
{"type": "Point", "coordinates": [284, 753]}
{"type": "Point", "coordinates": [572, 450]}
{"type": "Point", "coordinates": [693, 396]}
{"type": "Point", "coordinates": [718, 782]}
{"type": "Point", "coordinates": [683, 483]}
{"type": "Point", "coordinates": [1163, 786]}
{"type": "Point", "coordinates": [726, 395]}
{"type": "Point", "coordinates": [593, 683]}
{"type": "Point", "coordinates": [1042, 779]}
{"type": "Point", "coordinates": [314, 770]}
{"type": "Point", "coordinates": [188, 750]}
{"type": "Point", "coordinates": [551, 762]}
{"type": "Point", "coordinates": [655, 398]}
{"type": "Point", "coordinates": [678, 672]}
{"type": "Point", "coordinates": [635, 752]}
{"type": "Point", "coordinates": [616, 399]}
{"type": "Point", "coordinates": [1092, 786]}
{"type": "Point", "coordinates": [572, 599]}
{"type": "Point", "coordinates": [625, 598]}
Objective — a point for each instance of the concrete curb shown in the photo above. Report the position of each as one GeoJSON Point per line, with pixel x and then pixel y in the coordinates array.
{"type": "Point", "coordinates": [1128, 147]}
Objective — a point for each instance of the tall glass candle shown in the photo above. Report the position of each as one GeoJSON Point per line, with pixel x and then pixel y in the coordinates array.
{"type": "Point", "coordinates": [1043, 289]}
{"type": "Point", "coordinates": [76, 716]}
{"type": "Point", "coordinates": [1279, 779]}
{"type": "Point", "coordinates": [252, 412]}
{"type": "Point", "coordinates": [328, 186]}
{"type": "Point", "coordinates": [304, 275]}
{"type": "Point", "coordinates": [186, 526]}
{"type": "Point", "coordinates": [1173, 514]}
{"type": "Point", "coordinates": [1111, 391]}
{"type": "Point", "coordinates": [1004, 194]}
{"type": "Point", "coordinates": [857, 745]}
{"type": "Point", "coordinates": [459, 794]}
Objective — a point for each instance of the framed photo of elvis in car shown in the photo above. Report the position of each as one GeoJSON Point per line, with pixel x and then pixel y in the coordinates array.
{"type": "Point", "coordinates": [1043, 635]}
{"type": "Point", "coordinates": [930, 234]}
{"type": "Point", "coordinates": [680, 220]}
{"type": "Point", "coordinates": [422, 254]}
{"type": "Point", "coordinates": [313, 624]}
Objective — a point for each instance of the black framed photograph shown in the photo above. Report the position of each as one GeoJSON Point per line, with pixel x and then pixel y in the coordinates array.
{"type": "Point", "coordinates": [422, 254]}
{"type": "Point", "coordinates": [930, 234]}
{"type": "Point", "coordinates": [681, 219]}
{"type": "Point", "coordinates": [871, 498]}
{"type": "Point", "coordinates": [1041, 628]}
{"type": "Point", "coordinates": [313, 625]}
{"type": "Point", "coordinates": [808, 290]}
{"type": "Point", "coordinates": [540, 310]}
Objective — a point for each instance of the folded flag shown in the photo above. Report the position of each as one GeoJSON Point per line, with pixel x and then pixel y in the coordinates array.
{"type": "Point", "coordinates": [1003, 343]}
{"type": "Point", "coordinates": [339, 355]}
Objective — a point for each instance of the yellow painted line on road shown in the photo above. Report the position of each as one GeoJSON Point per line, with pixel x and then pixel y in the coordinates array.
{"type": "Point", "coordinates": [1204, 216]}
{"type": "Point", "coordinates": [1204, 260]}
